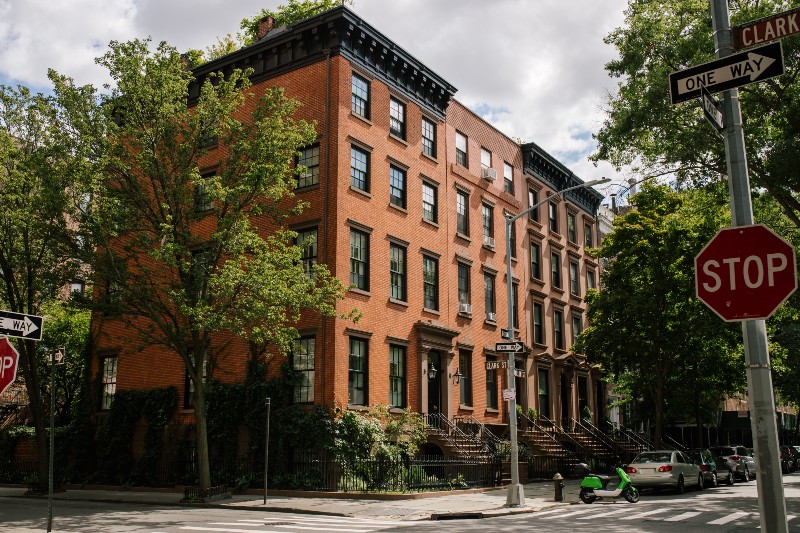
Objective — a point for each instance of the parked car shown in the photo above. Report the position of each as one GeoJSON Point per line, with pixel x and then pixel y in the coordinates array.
{"type": "Point", "coordinates": [787, 459]}
{"type": "Point", "coordinates": [725, 473]}
{"type": "Point", "coordinates": [664, 469]}
{"type": "Point", "coordinates": [703, 459]}
{"type": "Point", "coordinates": [736, 456]}
{"type": "Point", "coordinates": [750, 458]}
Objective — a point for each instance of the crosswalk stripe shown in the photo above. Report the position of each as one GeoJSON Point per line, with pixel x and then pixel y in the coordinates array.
{"type": "Point", "coordinates": [730, 518]}
{"type": "Point", "coordinates": [228, 530]}
{"type": "Point", "coordinates": [642, 515]}
{"type": "Point", "coordinates": [551, 511]}
{"type": "Point", "coordinates": [341, 519]}
{"type": "Point", "coordinates": [566, 515]}
{"type": "Point", "coordinates": [312, 526]}
{"type": "Point", "coordinates": [683, 516]}
{"type": "Point", "coordinates": [604, 514]}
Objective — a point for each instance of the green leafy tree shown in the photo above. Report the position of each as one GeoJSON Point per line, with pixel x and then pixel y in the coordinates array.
{"type": "Point", "coordinates": [286, 15]}
{"type": "Point", "coordinates": [647, 328]}
{"type": "Point", "coordinates": [42, 184]}
{"type": "Point", "coordinates": [644, 130]}
{"type": "Point", "coordinates": [186, 258]}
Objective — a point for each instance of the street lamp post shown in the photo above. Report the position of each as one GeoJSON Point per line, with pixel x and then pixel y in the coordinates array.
{"type": "Point", "coordinates": [516, 496]}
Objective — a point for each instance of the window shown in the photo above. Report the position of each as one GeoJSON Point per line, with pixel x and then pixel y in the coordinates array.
{"type": "Point", "coordinates": [508, 178]}
{"type": "Point", "coordinates": [430, 283]}
{"type": "Point", "coordinates": [309, 252]}
{"type": "Point", "coordinates": [491, 385]}
{"type": "Point", "coordinates": [489, 297]}
{"type": "Point", "coordinates": [462, 214]}
{"type": "Point", "coordinates": [203, 201]}
{"type": "Point", "coordinates": [538, 323]}
{"type": "Point", "coordinates": [558, 329]}
{"type": "Point", "coordinates": [514, 306]}
{"type": "Point", "coordinates": [544, 397]}
{"type": "Point", "coordinates": [572, 232]}
{"type": "Point", "coordinates": [553, 217]}
{"type": "Point", "coordinates": [359, 260]}
{"type": "Point", "coordinates": [397, 269]}
{"type": "Point", "coordinates": [590, 281]}
{"type": "Point", "coordinates": [588, 242]}
{"type": "Point", "coordinates": [488, 222]}
{"type": "Point", "coordinates": [533, 199]}
{"type": "Point", "coordinates": [428, 137]}
{"type": "Point", "coordinates": [357, 374]}
{"type": "Point", "coordinates": [536, 260]}
{"type": "Point", "coordinates": [430, 208]}
{"type": "Point", "coordinates": [309, 159]}
{"type": "Point", "coordinates": [463, 284]}
{"type": "Point", "coordinates": [199, 274]}
{"type": "Point", "coordinates": [513, 239]}
{"type": "Point", "coordinates": [397, 376]}
{"type": "Point", "coordinates": [465, 385]}
{"type": "Point", "coordinates": [109, 366]}
{"type": "Point", "coordinates": [303, 363]}
{"type": "Point", "coordinates": [77, 288]}
{"type": "Point", "coordinates": [461, 149]}
{"type": "Point", "coordinates": [574, 284]}
{"type": "Point", "coordinates": [555, 265]}
{"type": "Point", "coordinates": [359, 169]}
{"type": "Point", "coordinates": [397, 186]}
{"type": "Point", "coordinates": [577, 326]}
{"type": "Point", "coordinates": [397, 118]}
{"type": "Point", "coordinates": [486, 158]}
{"type": "Point", "coordinates": [360, 100]}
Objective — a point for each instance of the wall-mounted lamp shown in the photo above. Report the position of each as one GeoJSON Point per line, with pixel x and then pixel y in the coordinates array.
{"type": "Point", "coordinates": [432, 371]}
{"type": "Point", "coordinates": [457, 376]}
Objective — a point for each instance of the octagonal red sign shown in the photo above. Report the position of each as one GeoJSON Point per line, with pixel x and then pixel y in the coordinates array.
{"type": "Point", "coordinates": [745, 273]}
{"type": "Point", "coordinates": [8, 364]}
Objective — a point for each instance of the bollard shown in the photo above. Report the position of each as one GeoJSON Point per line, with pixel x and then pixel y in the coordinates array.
{"type": "Point", "coordinates": [558, 483]}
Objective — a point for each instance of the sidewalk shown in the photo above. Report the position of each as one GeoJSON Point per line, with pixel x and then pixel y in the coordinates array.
{"type": "Point", "coordinates": [476, 503]}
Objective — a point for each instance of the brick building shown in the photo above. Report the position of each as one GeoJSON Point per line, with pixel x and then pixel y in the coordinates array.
{"type": "Point", "coordinates": [408, 190]}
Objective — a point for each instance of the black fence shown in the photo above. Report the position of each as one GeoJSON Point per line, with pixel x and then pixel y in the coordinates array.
{"type": "Point", "coordinates": [303, 472]}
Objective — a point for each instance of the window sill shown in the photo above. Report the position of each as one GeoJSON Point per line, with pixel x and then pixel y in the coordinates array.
{"type": "Point", "coordinates": [463, 236]}
{"type": "Point", "coordinates": [363, 119]}
{"type": "Point", "coordinates": [430, 158]}
{"type": "Point", "coordinates": [362, 192]}
{"type": "Point", "coordinates": [397, 207]}
{"type": "Point", "coordinates": [492, 410]}
{"type": "Point", "coordinates": [492, 323]}
{"type": "Point", "coordinates": [354, 407]}
{"type": "Point", "coordinates": [396, 410]}
{"type": "Point", "coordinates": [306, 188]}
{"type": "Point", "coordinates": [557, 289]}
{"type": "Point", "coordinates": [398, 139]}
{"type": "Point", "coordinates": [431, 223]}
{"type": "Point", "coordinates": [577, 297]}
{"type": "Point", "coordinates": [465, 408]}
{"type": "Point", "coordinates": [488, 248]}
{"type": "Point", "coordinates": [463, 314]}
{"type": "Point", "coordinates": [362, 292]}
{"type": "Point", "coordinates": [398, 302]}
{"type": "Point", "coordinates": [431, 311]}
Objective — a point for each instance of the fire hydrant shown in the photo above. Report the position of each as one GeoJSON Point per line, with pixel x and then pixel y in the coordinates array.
{"type": "Point", "coordinates": [558, 484]}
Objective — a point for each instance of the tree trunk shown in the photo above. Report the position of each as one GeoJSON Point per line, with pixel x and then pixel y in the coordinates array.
{"type": "Point", "coordinates": [203, 463]}
{"type": "Point", "coordinates": [27, 362]}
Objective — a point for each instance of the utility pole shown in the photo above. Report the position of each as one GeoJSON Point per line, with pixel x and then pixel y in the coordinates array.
{"type": "Point", "coordinates": [771, 502]}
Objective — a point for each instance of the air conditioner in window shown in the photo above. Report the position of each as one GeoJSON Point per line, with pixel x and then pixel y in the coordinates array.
{"type": "Point", "coordinates": [488, 241]}
{"type": "Point", "coordinates": [488, 173]}
{"type": "Point", "coordinates": [465, 308]}
{"type": "Point", "coordinates": [491, 317]}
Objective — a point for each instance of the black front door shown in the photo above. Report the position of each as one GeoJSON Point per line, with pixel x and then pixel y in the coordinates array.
{"type": "Point", "coordinates": [565, 414]}
{"type": "Point", "coordinates": [434, 383]}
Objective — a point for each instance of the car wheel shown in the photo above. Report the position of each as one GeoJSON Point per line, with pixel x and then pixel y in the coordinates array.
{"type": "Point", "coordinates": [700, 484]}
{"type": "Point", "coordinates": [746, 475]}
{"type": "Point", "coordinates": [680, 488]}
{"type": "Point", "coordinates": [714, 481]}
{"type": "Point", "coordinates": [731, 477]}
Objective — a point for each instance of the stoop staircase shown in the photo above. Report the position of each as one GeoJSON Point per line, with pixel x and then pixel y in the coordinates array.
{"type": "Point", "coordinates": [455, 441]}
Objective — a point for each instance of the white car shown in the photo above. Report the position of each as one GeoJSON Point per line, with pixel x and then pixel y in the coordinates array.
{"type": "Point", "coordinates": [664, 469]}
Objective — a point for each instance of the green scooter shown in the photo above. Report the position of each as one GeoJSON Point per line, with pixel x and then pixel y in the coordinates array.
{"type": "Point", "coordinates": [595, 487]}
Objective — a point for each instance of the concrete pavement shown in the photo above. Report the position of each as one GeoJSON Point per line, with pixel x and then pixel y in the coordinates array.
{"type": "Point", "coordinates": [474, 503]}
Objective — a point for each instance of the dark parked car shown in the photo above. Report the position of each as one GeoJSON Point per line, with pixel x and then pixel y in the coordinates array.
{"type": "Point", "coordinates": [737, 458]}
{"type": "Point", "coordinates": [725, 474]}
{"type": "Point", "coordinates": [788, 463]}
{"type": "Point", "coordinates": [708, 467]}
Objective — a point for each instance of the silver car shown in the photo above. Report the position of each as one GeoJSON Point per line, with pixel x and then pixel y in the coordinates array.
{"type": "Point", "coordinates": [664, 469]}
{"type": "Point", "coordinates": [738, 458]}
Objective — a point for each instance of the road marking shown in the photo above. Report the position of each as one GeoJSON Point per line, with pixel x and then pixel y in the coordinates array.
{"type": "Point", "coordinates": [551, 511]}
{"type": "Point", "coordinates": [730, 518]}
{"type": "Point", "coordinates": [642, 515]}
{"type": "Point", "coordinates": [603, 515]}
{"type": "Point", "coordinates": [683, 516]}
{"type": "Point", "coordinates": [573, 513]}
{"type": "Point", "coordinates": [227, 530]}
{"type": "Point", "coordinates": [316, 527]}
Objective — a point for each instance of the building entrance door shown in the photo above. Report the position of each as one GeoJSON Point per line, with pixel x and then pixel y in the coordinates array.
{"type": "Point", "coordinates": [565, 393]}
{"type": "Point", "coordinates": [434, 383]}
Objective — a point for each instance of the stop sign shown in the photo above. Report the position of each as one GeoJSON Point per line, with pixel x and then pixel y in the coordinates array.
{"type": "Point", "coordinates": [8, 364]}
{"type": "Point", "coordinates": [745, 273]}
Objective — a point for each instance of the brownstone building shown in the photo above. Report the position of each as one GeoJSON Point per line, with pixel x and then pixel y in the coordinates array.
{"type": "Point", "coordinates": [408, 193]}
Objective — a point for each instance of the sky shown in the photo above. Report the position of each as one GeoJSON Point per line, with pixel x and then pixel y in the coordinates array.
{"type": "Point", "coordinates": [534, 69]}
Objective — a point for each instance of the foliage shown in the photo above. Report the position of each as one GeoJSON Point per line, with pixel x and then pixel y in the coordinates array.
{"type": "Point", "coordinates": [286, 15]}
{"type": "Point", "coordinates": [644, 130]}
{"type": "Point", "coordinates": [647, 328]}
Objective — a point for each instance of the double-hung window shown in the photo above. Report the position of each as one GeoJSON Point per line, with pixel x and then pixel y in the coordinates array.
{"type": "Point", "coordinates": [303, 363]}
{"type": "Point", "coordinates": [109, 382]}
{"type": "Point", "coordinates": [590, 280]}
{"type": "Point", "coordinates": [588, 242]}
{"type": "Point", "coordinates": [203, 199]}
{"type": "Point", "coordinates": [574, 283]}
{"type": "Point", "coordinates": [430, 282]}
{"type": "Point", "coordinates": [536, 260]}
{"type": "Point", "coordinates": [359, 260]}
{"type": "Point", "coordinates": [463, 284]}
{"type": "Point", "coordinates": [462, 213]}
{"type": "Point", "coordinates": [397, 376]}
{"type": "Point", "coordinates": [514, 305]}
{"type": "Point", "coordinates": [428, 137]}
{"type": "Point", "coordinates": [489, 297]}
{"type": "Point", "coordinates": [486, 159]}
{"type": "Point", "coordinates": [359, 169]}
{"type": "Point", "coordinates": [397, 272]}
{"type": "Point", "coordinates": [553, 209]}
{"type": "Point", "coordinates": [360, 96]}
{"type": "Point", "coordinates": [508, 178]}
{"type": "Point", "coordinates": [538, 323]}
{"type": "Point", "coordinates": [307, 238]}
{"type": "Point", "coordinates": [572, 232]}
{"type": "Point", "coordinates": [533, 199]}
{"type": "Point", "coordinates": [577, 326]}
{"type": "Point", "coordinates": [555, 266]}
{"type": "Point", "coordinates": [430, 209]}
{"type": "Point", "coordinates": [461, 149]}
{"type": "Point", "coordinates": [309, 160]}
{"type": "Point", "coordinates": [558, 329]}
{"type": "Point", "coordinates": [357, 375]}
{"type": "Point", "coordinates": [488, 225]}
{"type": "Point", "coordinates": [397, 186]}
{"type": "Point", "coordinates": [465, 384]}
{"type": "Point", "coordinates": [397, 118]}
{"type": "Point", "coordinates": [491, 384]}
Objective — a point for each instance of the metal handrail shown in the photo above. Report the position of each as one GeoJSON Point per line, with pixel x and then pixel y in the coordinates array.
{"type": "Point", "coordinates": [550, 435]}
{"type": "Point", "coordinates": [595, 432]}
{"type": "Point", "coordinates": [483, 433]}
{"type": "Point", "coordinates": [448, 430]}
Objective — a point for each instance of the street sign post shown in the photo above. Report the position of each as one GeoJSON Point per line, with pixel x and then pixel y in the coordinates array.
{"type": "Point", "coordinates": [767, 29]}
{"type": "Point", "coordinates": [9, 357]}
{"type": "Point", "coordinates": [712, 109]}
{"type": "Point", "coordinates": [21, 325]}
{"type": "Point", "coordinates": [728, 72]}
{"type": "Point", "coordinates": [745, 273]}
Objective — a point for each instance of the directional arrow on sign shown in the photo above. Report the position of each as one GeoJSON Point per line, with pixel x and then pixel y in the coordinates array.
{"type": "Point", "coordinates": [509, 346]}
{"type": "Point", "coordinates": [728, 72]}
{"type": "Point", "coordinates": [20, 325]}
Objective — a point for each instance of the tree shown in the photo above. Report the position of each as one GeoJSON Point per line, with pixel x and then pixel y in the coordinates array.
{"type": "Point", "coordinates": [286, 15]}
{"type": "Point", "coordinates": [647, 328]}
{"type": "Point", "coordinates": [189, 260]}
{"type": "Point", "coordinates": [644, 130]}
{"type": "Point", "coordinates": [42, 184]}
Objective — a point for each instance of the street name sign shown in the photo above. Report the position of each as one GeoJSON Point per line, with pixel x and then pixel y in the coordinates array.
{"type": "Point", "coordinates": [767, 29]}
{"type": "Point", "coordinates": [509, 347]}
{"type": "Point", "coordinates": [9, 357]}
{"type": "Point", "coordinates": [712, 109]}
{"type": "Point", "coordinates": [728, 72]}
{"type": "Point", "coordinates": [745, 273]}
{"type": "Point", "coordinates": [21, 325]}
{"type": "Point", "coordinates": [496, 365]}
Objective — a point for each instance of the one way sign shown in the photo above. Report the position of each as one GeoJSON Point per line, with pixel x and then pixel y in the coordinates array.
{"type": "Point", "coordinates": [20, 325]}
{"type": "Point", "coordinates": [728, 72]}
